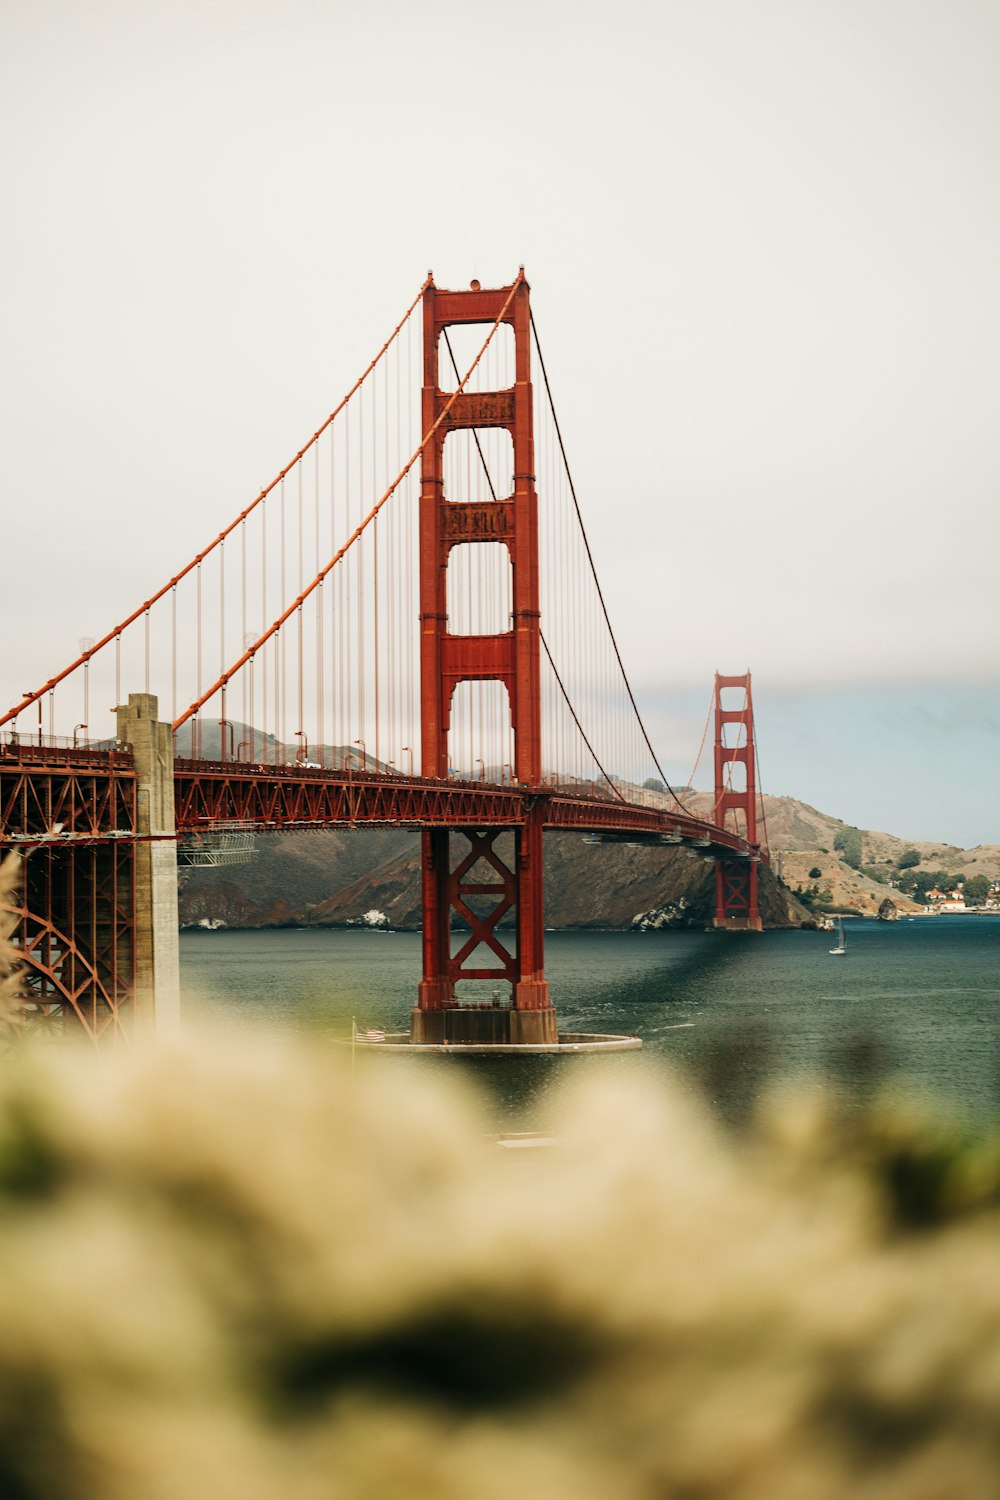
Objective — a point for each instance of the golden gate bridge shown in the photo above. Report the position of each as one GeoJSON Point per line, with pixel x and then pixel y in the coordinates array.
{"type": "Point", "coordinates": [405, 628]}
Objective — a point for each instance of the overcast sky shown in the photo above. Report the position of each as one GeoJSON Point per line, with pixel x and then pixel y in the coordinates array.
{"type": "Point", "coordinates": [763, 240]}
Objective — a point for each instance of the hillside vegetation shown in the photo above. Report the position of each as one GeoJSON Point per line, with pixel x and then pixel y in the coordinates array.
{"type": "Point", "coordinates": [808, 840]}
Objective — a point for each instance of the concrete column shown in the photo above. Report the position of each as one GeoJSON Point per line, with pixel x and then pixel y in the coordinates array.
{"type": "Point", "coordinates": [157, 945]}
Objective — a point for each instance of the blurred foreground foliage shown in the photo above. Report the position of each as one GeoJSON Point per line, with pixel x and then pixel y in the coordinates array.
{"type": "Point", "coordinates": [241, 1269]}
{"type": "Point", "coordinates": [246, 1268]}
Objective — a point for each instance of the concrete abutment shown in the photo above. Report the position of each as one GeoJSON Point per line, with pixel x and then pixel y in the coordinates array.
{"type": "Point", "coordinates": [157, 938]}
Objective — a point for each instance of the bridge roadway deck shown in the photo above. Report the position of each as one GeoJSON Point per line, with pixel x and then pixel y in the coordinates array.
{"type": "Point", "coordinates": [211, 794]}
{"type": "Point", "coordinates": [55, 794]}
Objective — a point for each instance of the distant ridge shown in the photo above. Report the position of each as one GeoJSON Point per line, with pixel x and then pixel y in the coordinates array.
{"type": "Point", "coordinates": [332, 876]}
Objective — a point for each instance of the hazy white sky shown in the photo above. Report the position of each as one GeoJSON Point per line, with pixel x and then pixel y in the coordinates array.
{"type": "Point", "coordinates": [763, 241]}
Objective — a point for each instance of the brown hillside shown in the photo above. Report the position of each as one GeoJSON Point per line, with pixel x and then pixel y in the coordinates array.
{"type": "Point", "coordinates": [334, 875]}
{"type": "Point", "coordinates": [802, 839]}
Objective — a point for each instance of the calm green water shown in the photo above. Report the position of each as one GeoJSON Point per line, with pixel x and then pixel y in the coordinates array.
{"type": "Point", "coordinates": [920, 998]}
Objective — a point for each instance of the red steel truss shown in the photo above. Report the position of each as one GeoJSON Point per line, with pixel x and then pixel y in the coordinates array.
{"type": "Point", "coordinates": [72, 816]}
{"type": "Point", "coordinates": [213, 794]}
{"type": "Point", "coordinates": [57, 799]}
{"type": "Point", "coordinates": [77, 937]}
{"type": "Point", "coordinates": [87, 793]}
{"type": "Point", "coordinates": [210, 792]}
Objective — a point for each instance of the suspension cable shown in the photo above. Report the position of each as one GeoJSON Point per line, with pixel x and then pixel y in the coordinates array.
{"type": "Point", "coordinates": [475, 433]}
{"type": "Point", "coordinates": [359, 530]}
{"type": "Point", "coordinates": [85, 656]}
{"type": "Point", "coordinates": [545, 644]}
{"type": "Point", "coordinates": [762, 843]}
{"type": "Point", "coordinates": [701, 747]}
{"type": "Point", "coordinates": [593, 569]}
{"type": "Point", "coordinates": [576, 720]}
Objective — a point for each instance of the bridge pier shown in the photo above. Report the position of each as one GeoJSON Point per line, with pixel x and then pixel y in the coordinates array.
{"type": "Point", "coordinates": [481, 889]}
{"type": "Point", "coordinates": [157, 943]}
{"type": "Point", "coordinates": [736, 896]}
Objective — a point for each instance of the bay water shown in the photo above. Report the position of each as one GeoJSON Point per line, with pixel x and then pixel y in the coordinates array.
{"type": "Point", "coordinates": [917, 999]}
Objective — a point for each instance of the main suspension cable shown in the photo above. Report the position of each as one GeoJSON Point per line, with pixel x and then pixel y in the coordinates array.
{"type": "Point", "coordinates": [358, 531]}
{"type": "Point", "coordinates": [593, 569]}
{"type": "Point", "coordinates": [701, 747]}
{"type": "Point", "coordinates": [545, 644]}
{"type": "Point", "coordinates": [576, 720]}
{"type": "Point", "coordinates": [196, 561]}
{"type": "Point", "coordinates": [762, 843]}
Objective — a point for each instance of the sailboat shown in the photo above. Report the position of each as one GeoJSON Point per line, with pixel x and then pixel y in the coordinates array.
{"type": "Point", "coordinates": [841, 940]}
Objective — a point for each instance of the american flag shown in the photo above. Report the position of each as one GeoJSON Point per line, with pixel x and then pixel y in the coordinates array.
{"type": "Point", "coordinates": [371, 1035]}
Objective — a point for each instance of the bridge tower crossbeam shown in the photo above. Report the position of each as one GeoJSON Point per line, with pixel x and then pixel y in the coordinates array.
{"type": "Point", "coordinates": [483, 884]}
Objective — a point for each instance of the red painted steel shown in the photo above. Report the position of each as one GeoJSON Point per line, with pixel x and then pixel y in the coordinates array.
{"type": "Point", "coordinates": [511, 657]}
{"type": "Point", "coordinates": [736, 881]}
{"type": "Point", "coordinates": [216, 793]}
{"type": "Point", "coordinates": [611, 816]}
{"type": "Point", "coordinates": [91, 794]}
{"type": "Point", "coordinates": [71, 814]}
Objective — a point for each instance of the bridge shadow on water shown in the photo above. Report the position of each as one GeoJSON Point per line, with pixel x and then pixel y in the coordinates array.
{"type": "Point", "coordinates": [729, 1014]}
{"type": "Point", "coordinates": [664, 1003]}
{"type": "Point", "coordinates": [704, 1006]}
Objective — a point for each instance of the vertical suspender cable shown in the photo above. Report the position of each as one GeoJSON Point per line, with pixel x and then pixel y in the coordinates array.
{"type": "Point", "coordinates": [376, 642]}
{"type": "Point", "coordinates": [346, 655]}
{"type": "Point", "coordinates": [414, 725]}
{"type": "Point", "coordinates": [320, 727]}
{"type": "Point", "coordinates": [247, 716]}
{"type": "Point", "coordinates": [300, 726]}
{"type": "Point", "coordinates": [333, 669]}
{"type": "Point", "coordinates": [362, 560]}
{"type": "Point", "coordinates": [222, 607]}
{"type": "Point", "coordinates": [263, 617]}
{"type": "Point", "coordinates": [614, 643]}
{"type": "Point", "coordinates": [281, 724]}
{"type": "Point", "coordinates": [198, 608]}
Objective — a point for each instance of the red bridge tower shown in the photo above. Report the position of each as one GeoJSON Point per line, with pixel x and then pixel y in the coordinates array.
{"type": "Point", "coordinates": [481, 886]}
{"type": "Point", "coordinates": [736, 878]}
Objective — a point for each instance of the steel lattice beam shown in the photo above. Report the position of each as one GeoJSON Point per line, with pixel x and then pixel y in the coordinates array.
{"type": "Point", "coordinates": [72, 816]}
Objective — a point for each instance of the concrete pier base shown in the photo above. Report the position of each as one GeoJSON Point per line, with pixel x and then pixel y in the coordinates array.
{"type": "Point", "coordinates": [157, 941]}
{"type": "Point", "coordinates": [483, 1026]}
{"type": "Point", "coordinates": [564, 1043]}
{"type": "Point", "coordinates": [738, 924]}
